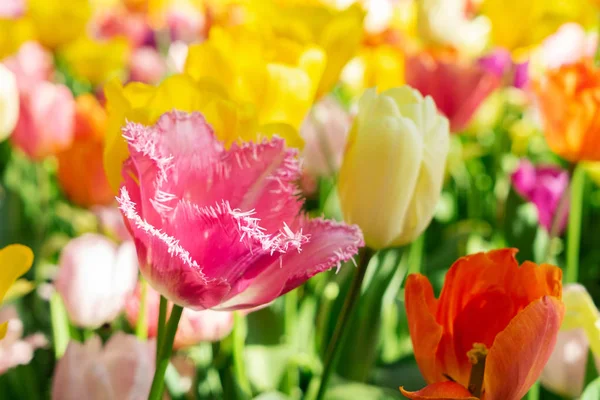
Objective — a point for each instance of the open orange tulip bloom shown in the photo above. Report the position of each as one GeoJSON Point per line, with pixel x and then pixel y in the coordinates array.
{"type": "Point", "coordinates": [491, 331]}
{"type": "Point", "coordinates": [569, 100]}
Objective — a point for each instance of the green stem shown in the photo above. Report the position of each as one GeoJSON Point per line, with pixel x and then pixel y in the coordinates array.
{"type": "Point", "coordinates": [162, 318]}
{"type": "Point", "coordinates": [290, 317]}
{"type": "Point", "coordinates": [60, 325]}
{"type": "Point", "coordinates": [415, 255]}
{"type": "Point", "coordinates": [239, 341]}
{"type": "Point", "coordinates": [574, 229]}
{"type": "Point", "coordinates": [141, 328]}
{"type": "Point", "coordinates": [344, 319]}
{"type": "Point", "coordinates": [166, 349]}
{"type": "Point", "coordinates": [534, 392]}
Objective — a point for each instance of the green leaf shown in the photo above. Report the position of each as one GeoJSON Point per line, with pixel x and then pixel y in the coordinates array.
{"type": "Point", "coordinates": [266, 365]}
{"type": "Point", "coordinates": [592, 391]}
{"type": "Point", "coordinates": [272, 396]}
{"type": "Point", "coordinates": [360, 391]}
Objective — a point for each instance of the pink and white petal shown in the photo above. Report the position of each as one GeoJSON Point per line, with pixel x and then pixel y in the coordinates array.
{"type": "Point", "coordinates": [329, 244]}
{"type": "Point", "coordinates": [169, 267]}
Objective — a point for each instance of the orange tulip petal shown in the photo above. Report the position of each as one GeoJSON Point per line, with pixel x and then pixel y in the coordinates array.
{"type": "Point", "coordinates": [440, 391]}
{"type": "Point", "coordinates": [425, 332]}
{"type": "Point", "coordinates": [520, 351]}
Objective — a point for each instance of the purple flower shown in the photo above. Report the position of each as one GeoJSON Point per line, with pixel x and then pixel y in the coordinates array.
{"type": "Point", "coordinates": [500, 63]}
{"type": "Point", "coordinates": [543, 186]}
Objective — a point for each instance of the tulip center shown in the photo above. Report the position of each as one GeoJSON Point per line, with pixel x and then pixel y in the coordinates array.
{"type": "Point", "coordinates": [477, 357]}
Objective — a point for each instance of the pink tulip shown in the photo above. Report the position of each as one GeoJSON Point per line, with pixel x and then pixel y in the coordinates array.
{"type": "Point", "coordinates": [325, 131]}
{"type": "Point", "coordinates": [95, 279]}
{"type": "Point", "coordinates": [11, 9]}
{"type": "Point", "coordinates": [457, 87]}
{"type": "Point", "coordinates": [122, 370]}
{"type": "Point", "coordinates": [186, 23]}
{"type": "Point", "coordinates": [46, 121]}
{"type": "Point", "coordinates": [120, 22]}
{"type": "Point", "coordinates": [147, 66]}
{"type": "Point", "coordinates": [31, 65]}
{"type": "Point", "coordinates": [194, 326]}
{"type": "Point", "coordinates": [14, 349]}
{"type": "Point", "coordinates": [543, 186]}
{"type": "Point", "coordinates": [222, 229]}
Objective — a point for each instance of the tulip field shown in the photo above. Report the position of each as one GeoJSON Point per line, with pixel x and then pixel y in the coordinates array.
{"type": "Point", "coordinates": [299, 199]}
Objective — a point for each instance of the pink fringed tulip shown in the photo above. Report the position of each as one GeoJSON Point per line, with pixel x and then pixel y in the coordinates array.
{"type": "Point", "coordinates": [46, 120]}
{"type": "Point", "coordinates": [325, 132]}
{"type": "Point", "coordinates": [457, 87]}
{"type": "Point", "coordinates": [14, 349]}
{"type": "Point", "coordinates": [217, 228]}
{"type": "Point", "coordinates": [544, 187]}
{"type": "Point", "coordinates": [122, 370]}
{"type": "Point", "coordinates": [194, 326]}
{"type": "Point", "coordinates": [95, 278]}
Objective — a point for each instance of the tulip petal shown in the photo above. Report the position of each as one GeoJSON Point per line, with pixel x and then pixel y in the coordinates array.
{"type": "Point", "coordinates": [520, 352]}
{"type": "Point", "coordinates": [15, 260]}
{"type": "Point", "coordinates": [425, 332]}
{"type": "Point", "coordinates": [440, 391]}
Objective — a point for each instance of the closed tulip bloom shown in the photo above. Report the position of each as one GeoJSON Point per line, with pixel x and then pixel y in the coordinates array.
{"type": "Point", "coordinates": [221, 229]}
{"type": "Point", "coordinates": [16, 260]}
{"type": "Point", "coordinates": [392, 173]}
{"type": "Point", "coordinates": [9, 102]}
{"type": "Point", "coordinates": [458, 86]}
{"type": "Point", "coordinates": [80, 170]}
{"type": "Point", "coordinates": [146, 65]}
{"type": "Point", "coordinates": [565, 371]}
{"type": "Point", "coordinates": [31, 65]}
{"type": "Point", "coordinates": [569, 101]}
{"type": "Point", "coordinates": [491, 331]}
{"type": "Point", "coordinates": [194, 326]}
{"type": "Point", "coordinates": [121, 370]}
{"type": "Point", "coordinates": [46, 120]}
{"type": "Point", "coordinates": [95, 278]}
{"type": "Point", "coordinates": [50, 20]}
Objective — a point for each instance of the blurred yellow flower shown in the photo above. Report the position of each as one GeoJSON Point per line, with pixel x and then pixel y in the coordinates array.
{"type": "Point", "coordinates": [582, 313]}
{"type": "Point", "coordinates": [138, 102]}
{"type": "Point", "coordinates": [58, 22]}
{"type": "Point", "coordinates": [380, 66]}
{"type": "Point", "coordinates": [278, 76]}
{"type": "Point", "coordinates": [15, 32]}
{"type": "Point", "coordinates": [96, 61]}
{"type": "Point", "coordinates": [338, 33]}
{"type": "Point", "coordinates": [15, 260]}
{"type": "Point", "coordinates": [521, 24]}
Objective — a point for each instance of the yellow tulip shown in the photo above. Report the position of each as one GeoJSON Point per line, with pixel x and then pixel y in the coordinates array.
{"type": "Point", "coordinates": [521, 24]}
{"type": "Point", "coordinates": [15, 32]}
{"type": "Point", "coordinates": [96, 61]}
{"type": "Point", "coordinates": [138, 102]}
{"type": "Point", "coordinates": [59, 22]}
{"type": "Point", "coordinates": [392, 172]}
{"type": "Point", "coordinates": [279, 77]}
{"type": "Point", "coordinates": [338, 33]}
{"type": "Point", "coordinates": [16, 260]}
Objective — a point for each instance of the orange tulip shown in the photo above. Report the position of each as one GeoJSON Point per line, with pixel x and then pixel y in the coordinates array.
{"type": "Point", "coordinates": [80, 169]}
{"type": "Point", "coordinates": [569, 101]}
{"type": "Point", "coordinates": [491, 331]}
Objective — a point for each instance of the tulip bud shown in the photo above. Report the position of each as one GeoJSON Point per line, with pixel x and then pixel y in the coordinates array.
{"type": "Point", "coordinates": [393, 169]}
{"type": "Point", "coordinates": [9, 102]}
{"type": "Point", "coordinates": [95, 279]}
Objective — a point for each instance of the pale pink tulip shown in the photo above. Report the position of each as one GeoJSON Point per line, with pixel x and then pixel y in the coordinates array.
{"type": "Point", "coordinates": [194, 326]}
{"type": "Point", "coordinates": [14, 349]}
{"type": "Point", "coordinates": [147, 66]}
{"type": "Point", "coordinates": [95, 278]}
{"type": "Point", "coordinates": [46, 120]}
{"type": "Point", "coordinates": [186, 23]}
{"type": "Point", "coordinates": [325, 131]}
{"type": "Point", "coordinates": [31, 65]}
{"type": "Point", "coordinates": [568, 45]}
{"type": "Point", "coordinates": [217, 228]}
{"type": "Point", "coordinates": [12, 8]}
{"type": "Point", "coordinates": [122, 370]}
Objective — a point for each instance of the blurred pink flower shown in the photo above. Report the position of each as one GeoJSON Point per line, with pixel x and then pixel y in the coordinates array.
{"type": "Point", "coordinates": [325, 132]}
{"type": "Point", "coordinates": [122, 370]}
{"type": "Point", "coordinates": [14, 349]}
{"type": "Point", "coordinates": [458, 87]}
{"type": "Point", "coordinates": [543, 186]}
{"type": "Point", "coordinates": [217, 228]}
{"type": "Point", "coordinates": [194, 326]}
{"type": "Point", "coordinates": [186, 23]}
{"type": "Point", "coordinates": [120, 22]}
{"type": "Point", "coordinates": [46, 120]}
{"type": "Point", "coordinates": [568, 45]}
{"type": "Point", "coordinates": [12, 8]}
{"type": "Point", "coordinates": [31, 65]}
{"type": "Point", "coordinates": [500, 63]}
{"type": "Point", "coordinates": [147, 66]}
{"type": "Point", "coordinates": [178, 52]}
{"type": "Point", "coordinates": [111, 222]}
{"type": "Point", "coordinates": [95, 278]}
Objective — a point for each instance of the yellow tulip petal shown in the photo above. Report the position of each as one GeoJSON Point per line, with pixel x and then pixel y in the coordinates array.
{"type": "Point", "coordinates": [15, 260]}
{"type": "Point", "coordinates": [3, 329]}
{"type": "Point", "coordinates": [284, 131]}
